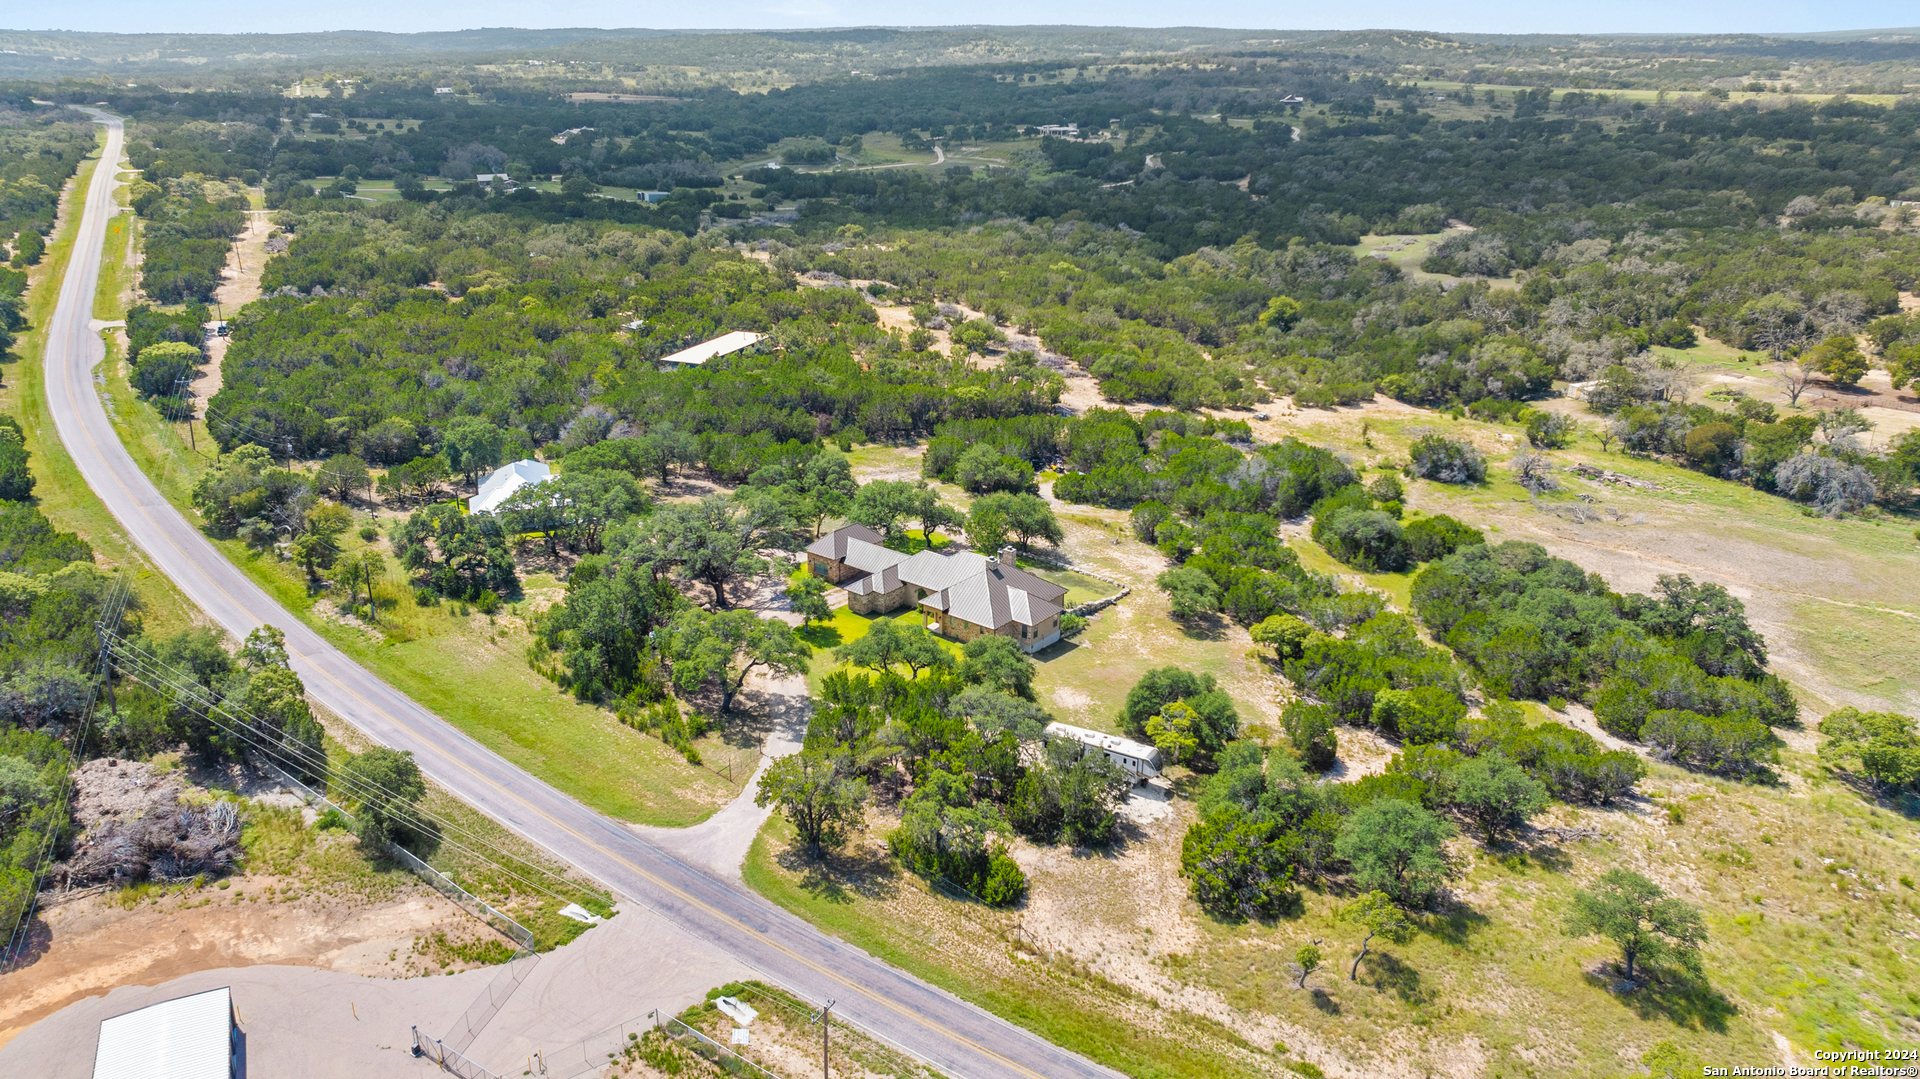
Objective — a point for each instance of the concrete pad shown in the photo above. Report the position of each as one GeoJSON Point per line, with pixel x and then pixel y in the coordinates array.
{"type": "Point", "coordinates": [321, 1024]}
{"type": "Point", "coordinates": [613, 974]}
{"type": "Point", "coordinates": [296, 1021]}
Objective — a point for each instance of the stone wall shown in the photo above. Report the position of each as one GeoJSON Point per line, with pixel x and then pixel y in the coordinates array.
{"type": "Point", "coordinates": [880, 602]}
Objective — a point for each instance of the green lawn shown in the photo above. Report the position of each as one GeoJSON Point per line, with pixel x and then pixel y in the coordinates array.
{"type": "Point", "coordinates": [1081, 587]}
{"type": "Point", "coordinates": [1397, 586]}
{"type": "Point", "coordinates": [843, 629]}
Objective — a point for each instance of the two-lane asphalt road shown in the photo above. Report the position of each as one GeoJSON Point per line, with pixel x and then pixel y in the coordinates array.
{"type": "Point", "coordinates": [955, 1037]}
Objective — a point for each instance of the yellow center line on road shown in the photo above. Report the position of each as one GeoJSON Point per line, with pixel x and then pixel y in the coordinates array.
{"type": "Point", "coordinates": [155, 530]}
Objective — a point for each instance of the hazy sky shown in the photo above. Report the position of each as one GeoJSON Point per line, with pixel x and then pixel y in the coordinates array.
{"type": "Point", "coordinates": [1486, 16]}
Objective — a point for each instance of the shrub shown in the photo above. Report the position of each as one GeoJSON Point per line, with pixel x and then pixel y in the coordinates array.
{"type": "Point", "coordinates": [1310, 731]}
{"type": "Point", "coordinates": [1496, 793]}
{"type": "Point", "coordinates": [1627, 698]}
{"type": "Point", "coordinates": [1882, 746]}
{"type": "Point", "coordinates": [1422, 715]}
{"type": "Point", "coordinates": [1005, 884]}
{"type": "Point", "coordinates": [1550, 430]}
{"type": "Point", "coordinates": [1446, 460]}
{"type": "Point", "coordinates": [984, 468]}
{"type": "Point", "coordinates": [1571, 764]}
{"type": "Point", "coordinates": [1710, 446]}
{"type": "Point", "coordinates": [1365, 539]}
{"type": "Point", "coordinates": [1216, 721]}
{"type": "Point", "coordinates": [16, 479]}
{"type": "Point", "coordinates": [1234, 867]}
{"type": "Point", "coordinates": [1396, 847]}
{"type": "Point", "coordinates": [1436, 537]}
{"type": "Point", "coordinates": [1735, 744]}
{"type": "Point", "coordinates": [1191, 593]}
{"type": "Point", "coordinates": [161, 365]}
{"type": "Point", "coordinates": [1832, 486]}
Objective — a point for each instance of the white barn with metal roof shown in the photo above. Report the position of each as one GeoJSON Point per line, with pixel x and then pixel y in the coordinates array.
{"type": "Point", "coordinates": [183, 1038]}
{"type": "Point", "coordinates": [497, 488]}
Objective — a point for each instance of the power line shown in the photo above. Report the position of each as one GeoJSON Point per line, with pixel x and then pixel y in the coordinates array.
{"type": "Point", "coordinates": [287, 756]}
{"type": "Point", "coordinates": [164, 677]}
{"type": "Point", "coordinates": [112, 612]}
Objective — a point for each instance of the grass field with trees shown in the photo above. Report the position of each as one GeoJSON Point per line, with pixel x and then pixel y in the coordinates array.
{"type": "Point", "coordinates": [1513, 480]}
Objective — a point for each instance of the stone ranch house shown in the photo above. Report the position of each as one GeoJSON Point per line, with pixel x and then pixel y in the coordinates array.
{"type": "Point", "coordinates": [962, 595]}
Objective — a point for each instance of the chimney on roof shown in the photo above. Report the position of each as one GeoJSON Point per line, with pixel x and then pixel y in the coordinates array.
{"type": "Point", "coordinates": [1006, 556]}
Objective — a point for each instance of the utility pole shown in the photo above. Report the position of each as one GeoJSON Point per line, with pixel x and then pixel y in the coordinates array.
{"type": "Point", "coordinates": [182, 388]}
{"type": "Point", "coordinates": [825, 1018]}
{"type": "Point", "coordinates": [103, 633]}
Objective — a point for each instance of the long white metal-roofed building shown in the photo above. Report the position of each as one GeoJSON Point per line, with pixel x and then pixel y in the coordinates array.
{"type": "Point", "coordinates": [724, 345]}
{"type": "Point", "coordinates": [191, 1037]}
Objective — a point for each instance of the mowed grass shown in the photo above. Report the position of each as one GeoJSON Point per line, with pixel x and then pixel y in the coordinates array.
{"type": "Point", "coordinates": [1398, 587]}
{"type": "Point", "coordinates": [1085, 679]}
{"type": "Point", "coordinates": [846, 627]}
{"type": "Point", "coordinates": [1081, 587]}
{"type": "Point", "coordinates": [59, 491]}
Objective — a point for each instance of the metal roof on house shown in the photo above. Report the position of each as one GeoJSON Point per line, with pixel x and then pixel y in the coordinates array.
{"type": "Point", "coordinates": [935, 572]}
{"type": "Point", "coordinates": [497, 488]}
{"type": "Point", "coordinates": [871, 557]}
{"type": "Point", "coordinates": [968, 586]}
{"type": "Point", "coordinates": [994, 597]}
{"type": "Point", "coordinates": [1112, 743]}
{"type": "Point", "coordinates": [834, 544]}
{"type": "Point", "coordinates": [724, 345]}
{"type": "Point", "coordinates": [184, 1038]}
{"type": "Point", "coordinates": [883, 580]}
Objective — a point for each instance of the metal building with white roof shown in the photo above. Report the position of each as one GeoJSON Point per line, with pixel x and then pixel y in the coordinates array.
{"type": "Point", "coordinates": [183, 1038]}
{"type": "Point", "coordinates": [495, 489]}
{"type": "Point", "coordinates": [724, 345]}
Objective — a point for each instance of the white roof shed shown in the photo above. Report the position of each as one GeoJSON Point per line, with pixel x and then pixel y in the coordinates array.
{"type": "Point", "coordinates": [497, 488]}
{"type": "Point", "coordinates": [184, 1038]}
{"type": "Point", "coordinates": [724, 345]}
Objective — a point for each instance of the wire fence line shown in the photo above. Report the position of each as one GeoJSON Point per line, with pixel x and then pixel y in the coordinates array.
{"type": "Point", "coordinates": [711, 1051]}
{"type": "Point", "coordinates": [492, 997]}
{"type": "Point", "coordinates": [592, 1052]}
{"type": "Point", "coordinates": [451, 1061]}
{"type": "Point", "coordinates": [474, 905]}
{"type": "Point", "coordinates": [286, 759]}
{"type": "Point", "coordinates": [495, 993]}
